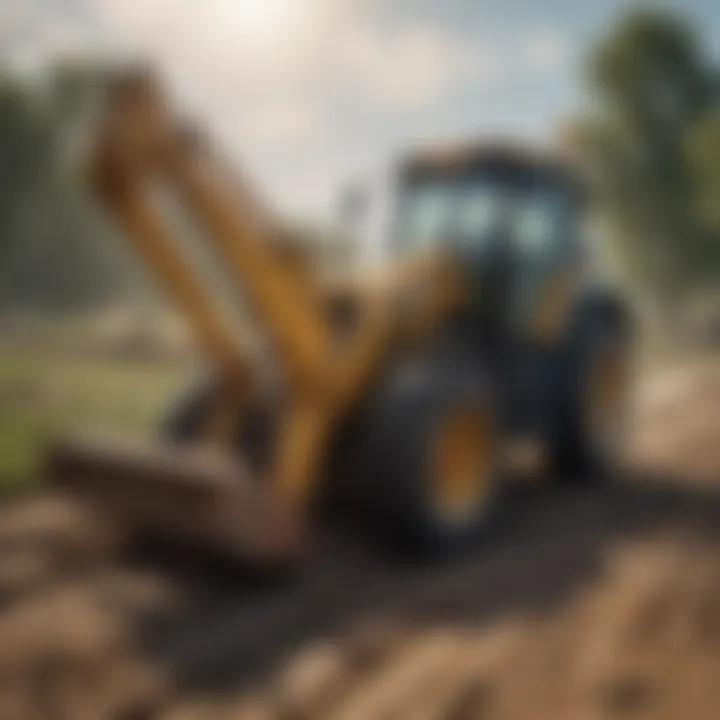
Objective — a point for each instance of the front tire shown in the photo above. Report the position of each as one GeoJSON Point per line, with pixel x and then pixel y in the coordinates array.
{"type": "Point", "coordinates": [430, 457]}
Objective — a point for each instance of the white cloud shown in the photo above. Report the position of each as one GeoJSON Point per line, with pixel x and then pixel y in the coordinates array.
{"type": "Point", "coordinates": [418, 65]}
{"type": "Point", "coordinates": [413, 66]}
{"type": "Point", "coordinates": [229, 38]}
{"type": "Point", "coordinates": [283, 119]}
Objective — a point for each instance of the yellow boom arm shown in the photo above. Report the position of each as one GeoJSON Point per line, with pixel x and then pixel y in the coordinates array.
{"type": "Point", "coordinates": [139, 145]}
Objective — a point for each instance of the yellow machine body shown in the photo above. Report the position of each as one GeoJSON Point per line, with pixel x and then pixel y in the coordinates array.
{"type": "Point", "coordinates": [205, 490]}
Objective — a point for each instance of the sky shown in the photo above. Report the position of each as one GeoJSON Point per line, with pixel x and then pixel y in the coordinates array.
{"type": "Point", "coordinates": [308, 95]}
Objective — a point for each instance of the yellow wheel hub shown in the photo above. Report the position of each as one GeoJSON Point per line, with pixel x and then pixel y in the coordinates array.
{"type": "Point", "coordinates": [463, 461]}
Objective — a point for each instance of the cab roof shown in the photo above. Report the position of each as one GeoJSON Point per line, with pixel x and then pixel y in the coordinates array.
{"type": "Point", "coordinates": [508, 156]}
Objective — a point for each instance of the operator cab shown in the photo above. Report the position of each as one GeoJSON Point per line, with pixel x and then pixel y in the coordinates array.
{"type": "Point", "coordinates": [513, 215]}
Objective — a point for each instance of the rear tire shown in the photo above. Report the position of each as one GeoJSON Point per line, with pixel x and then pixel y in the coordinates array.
{"type": "Point", "coordinates": [594, 405]}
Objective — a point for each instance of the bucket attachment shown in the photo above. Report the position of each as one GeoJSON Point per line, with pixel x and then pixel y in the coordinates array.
{"type": "Point", "coordinates": [193, 495]}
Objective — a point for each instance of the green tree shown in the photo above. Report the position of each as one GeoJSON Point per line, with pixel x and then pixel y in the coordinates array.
{"type": "Point", "coordinates": [55, 249]}
{"type": "Point", "coordinates": [703, 151]}
{"type": "Point", "coordinates": [650, 86]}
{"type": "Point", "coordinates": [24, 144]}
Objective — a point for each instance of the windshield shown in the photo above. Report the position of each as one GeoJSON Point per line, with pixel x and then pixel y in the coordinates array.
{"type": "Point", "coordinates": [437, 211]}
{"type": "Point", "coordinates": [464, 212]}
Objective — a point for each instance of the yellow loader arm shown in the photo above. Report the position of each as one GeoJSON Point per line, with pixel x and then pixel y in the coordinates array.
{"type": "Point", "coordinates": [139, 147]}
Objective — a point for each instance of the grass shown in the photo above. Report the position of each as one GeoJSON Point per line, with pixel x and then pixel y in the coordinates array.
{"type": "Point", "coordinates": [45, 393]}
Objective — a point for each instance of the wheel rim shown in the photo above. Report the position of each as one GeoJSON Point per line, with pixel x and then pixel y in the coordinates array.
{"type": "Point", "coordinates": [463, 461]}
{"type": "Point", "coordinates": [607, 402]}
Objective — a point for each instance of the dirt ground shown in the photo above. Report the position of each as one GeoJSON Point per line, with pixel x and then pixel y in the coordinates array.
{"type": "Point", "coordinates": [583, 604]}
